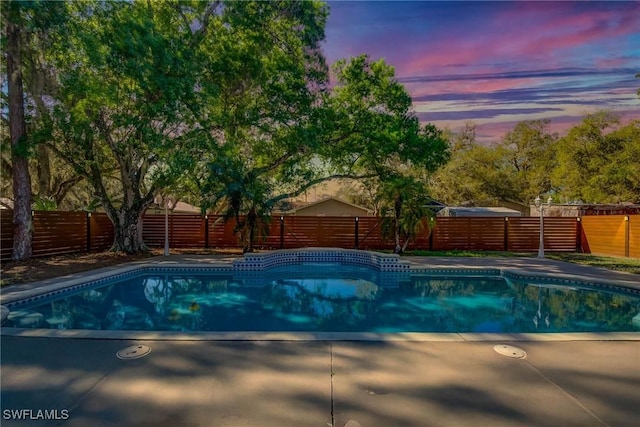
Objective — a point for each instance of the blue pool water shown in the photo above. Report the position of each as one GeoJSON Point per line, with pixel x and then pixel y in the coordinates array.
{"type": "Point", "coordinates": [331, 298]}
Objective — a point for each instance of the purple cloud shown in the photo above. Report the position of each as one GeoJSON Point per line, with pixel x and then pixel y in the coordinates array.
{"type": "Point", "coordinates": [554, 60]}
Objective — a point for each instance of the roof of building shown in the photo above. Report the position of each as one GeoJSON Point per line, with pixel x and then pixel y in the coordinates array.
{"type": "Point", "coordinates": [180, 207]}
{"type": "Point", "coordinates": [478, 211]}
{"type": "Point", "coordinates": [318, 202]}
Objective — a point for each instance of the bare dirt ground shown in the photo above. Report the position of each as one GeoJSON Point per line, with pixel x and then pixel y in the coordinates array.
{"type": "Point", "coordinates": [46, 268]}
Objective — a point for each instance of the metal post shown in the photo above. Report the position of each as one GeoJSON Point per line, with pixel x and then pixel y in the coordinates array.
{"type": "Point", "coordinates": [539, 204]}
{"type": "Point", "coordinates": [166, 228]}
{"type": "Point", "coordinates": [431, 221]}
{"type": "Point", "coordinates": [506, 234]}
{"type": "Point", "coordinates": [356, 234]}
{"type": "Point", "coordinates": [281, 232]}
{"type": "Point", "coordinates": [541, 245]}
{"type": "Point", "coordinates": [626, 236]}
{"type": "Point", "coordinates": [88, 231]}
{"type": "Point", "coordinates": [206, 231]}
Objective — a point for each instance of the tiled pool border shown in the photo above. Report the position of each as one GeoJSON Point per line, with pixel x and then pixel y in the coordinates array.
{"type": "Point", "coordinates": [262, 261]}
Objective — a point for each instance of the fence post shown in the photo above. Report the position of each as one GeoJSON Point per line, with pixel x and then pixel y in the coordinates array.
{"type": "Point", "coordinates": [206, 231]}
{"type": "Point", "coordinates": [356, 229]}
{"type": "Point", "coordinates": [626, 236]}
{"type": "Point", "coordinates": [579, 235]}
{"type": "Point", "coordinates": [432, 221]}
{"type": "Point", "coordinates": [281, 232]}
{"type": "Point", "coordinates": [88, 231]}
{"type": "Point", "coordinates": [506, 234]}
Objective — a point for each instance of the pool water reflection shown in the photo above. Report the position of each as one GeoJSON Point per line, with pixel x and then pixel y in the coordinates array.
{"type": "Point", "coordinates": [332, 298]}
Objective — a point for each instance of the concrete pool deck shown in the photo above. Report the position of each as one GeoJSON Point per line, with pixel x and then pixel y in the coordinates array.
{"type": "Point", "coordinates": [280, 384]}
{"type": "Point", "coordinates": [574, 381]}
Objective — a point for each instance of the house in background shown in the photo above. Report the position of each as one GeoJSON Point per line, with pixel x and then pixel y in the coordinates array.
{"type": "Point", "coordinates": [180, 208]}
{"type": "Point", "coordinates": [478, 211]}
{"type": "Point", "coordinates": [585, 209]}
{"type": "Point", "coordinates": [330, 206]}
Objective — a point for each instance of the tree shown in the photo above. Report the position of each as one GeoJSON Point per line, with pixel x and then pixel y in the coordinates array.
{"type": "Point", "coordinates": [475, 175]}
{"type": "Point", "coordinates": [370, 125]}
{"type": "Point", "coordinates": [126, 101]}
{"type": "Point", "coordinates": [361, 128]}
{"type": "Point", "coordinates": [530, 154]}
{"type": "Point", "coordinates": [598, 161]}
{"type": "Point", "coordinates": [265, 118]}
{"type": "Point", "coordinates": [40, 25]}
{"type": "Point", "coordinates": [406, 200]}
{"type": "Point", "coordinates": [517, 169]}
{"type": "Point", "coordinates": [13, 26]}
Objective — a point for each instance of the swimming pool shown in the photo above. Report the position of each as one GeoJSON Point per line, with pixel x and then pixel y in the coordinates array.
{"type": "Point", "coordinates": [330, 296]}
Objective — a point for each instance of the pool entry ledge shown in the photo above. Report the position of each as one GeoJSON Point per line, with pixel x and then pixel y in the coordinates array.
{"type": "Point", "coordinates": [375, 260]}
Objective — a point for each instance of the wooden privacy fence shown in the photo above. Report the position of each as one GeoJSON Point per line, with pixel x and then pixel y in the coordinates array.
{"type": "Point", "coordinates": [617, 235]}
{"type": "Point", "coordinates": [71, 232]}
{"type": "Point", "coordinates": [57, 233]}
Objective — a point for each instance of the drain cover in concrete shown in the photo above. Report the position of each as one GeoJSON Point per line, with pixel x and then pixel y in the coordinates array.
{"type": "Point", "coordinates": [133, 352]}
{"type": "Point", "coordinates": [510, 351]}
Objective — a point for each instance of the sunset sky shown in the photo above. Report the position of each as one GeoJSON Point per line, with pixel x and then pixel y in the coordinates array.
{"type": "Point", "coordinates": [499, 63]}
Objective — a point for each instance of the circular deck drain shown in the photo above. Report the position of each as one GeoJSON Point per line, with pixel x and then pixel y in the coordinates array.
{"type": "Point", "coordinates": [133, 352]}
{"type": "Point", "coordinates": [510, 351]}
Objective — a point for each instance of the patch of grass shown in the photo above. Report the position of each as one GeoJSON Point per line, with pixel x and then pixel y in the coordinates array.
{"type": "Point", "coordinates": [628, 265]}
{"type": "Point", "coordinates": [470, 254]}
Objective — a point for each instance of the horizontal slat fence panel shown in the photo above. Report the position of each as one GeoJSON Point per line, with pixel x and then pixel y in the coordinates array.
{"type": "Point", "coordinates": [448, 234]}
{"type": "Point", "coordinates": [634, 236]}
{"type": "Point", "coordinates": [268, 234]}
{"type": "Point", "coordinates": [101, 232]}
{"type": "Point", "coordinates": [370, 234]}
{"type": "Point", "coordinates": [221, 233]}
{"type": "Point", "coordinates": [604, 234]}
{"type": "Point", "coordinates": [66, 232]}
{"type": "Point", "coordinates": [560, 234]}
{"type": "Point", "coordinates": [6, 234]}
{"type": "Point", "coordinates": [59, 232]}
{"type": "Point", "coordinates": [186, 231]}
{"type": "Point", "coordinates": [468, 233]}
{"type": "Point", "coordinates": [300, 231]}
{"type": "Point", "coordinates": [153, 228]}
{"type": "Point", "coordinates": [523, 234]}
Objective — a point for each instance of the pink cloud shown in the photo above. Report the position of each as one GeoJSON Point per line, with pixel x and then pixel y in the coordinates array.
{"type": "Point", "coordinates": [545, 31]}
{"type": "Point", "coordinates": [524, 33]}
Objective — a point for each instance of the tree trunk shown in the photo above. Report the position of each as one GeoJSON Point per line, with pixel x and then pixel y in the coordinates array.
{"type": "Point", "coordinates": [22, 221]}
{"type": "Point", "coordinates": [397, 210]}
{"type": "Point", "coordinates": [127, 228]}
{"type": "Point", "coordinates": [44, 171]}
{"type": "Point", "coordinates": [251, 226]}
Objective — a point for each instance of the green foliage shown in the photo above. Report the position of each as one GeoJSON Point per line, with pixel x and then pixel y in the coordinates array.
{"type": "Point", "coordinates": [404, 209]}
{"type": "Point", "coordinates": [598, 161]}
{"type": "Point", "coordinates": [43, 204]}
{"type": "Point", "coordinates": [372, 125]}
{"type": "Point", "coordinates": [361, 128]}
{"type": "Point", "coordinates": [529, 151]}
{"type": "Point", "coordinates": [262, 88]}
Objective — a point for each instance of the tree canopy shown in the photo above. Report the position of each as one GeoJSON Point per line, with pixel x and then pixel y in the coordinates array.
{"type": "Point", "coordinates": [596, 161]}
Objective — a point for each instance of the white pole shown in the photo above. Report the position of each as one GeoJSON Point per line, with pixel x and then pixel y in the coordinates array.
{"type": "Point", "coordinates": [540, 205]}
{"type": "Point", "coordinates": [541, 247]}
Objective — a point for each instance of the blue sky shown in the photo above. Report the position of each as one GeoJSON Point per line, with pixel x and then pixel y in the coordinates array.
{"type": "Point", "coordinates": [499, 63]}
